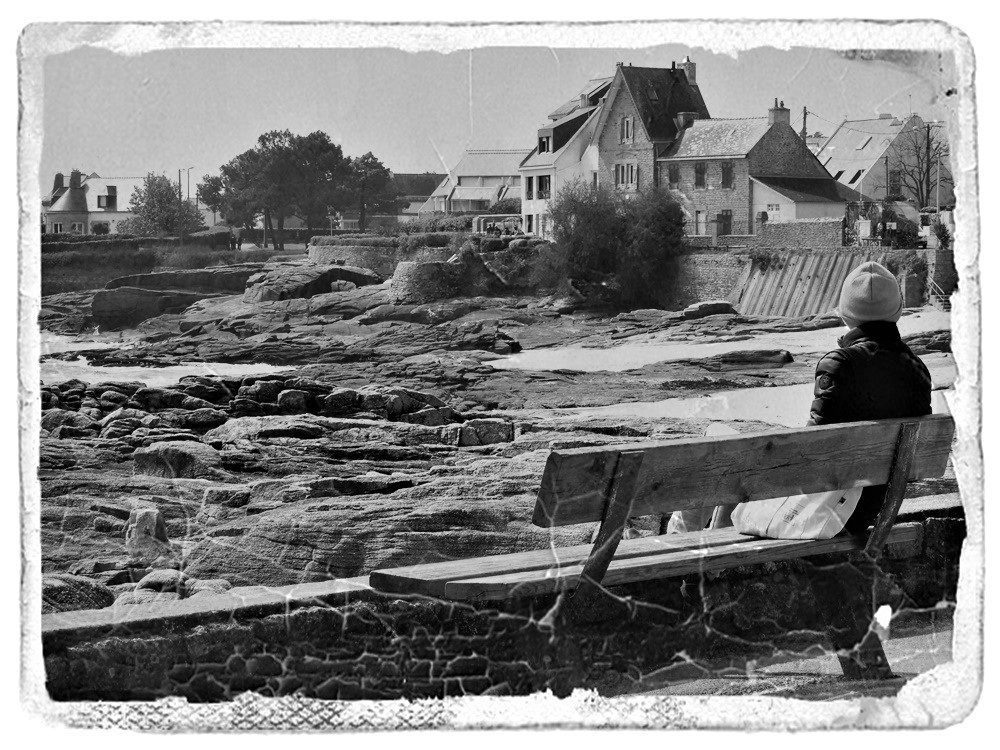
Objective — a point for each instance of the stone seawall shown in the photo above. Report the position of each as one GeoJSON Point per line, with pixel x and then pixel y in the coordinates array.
{"type": "Point", "coordinates": [381, 260]}
{"type": "Point", "coordinates": [708, 274]}
{"type": "Point", "coordinates": [340, 640]}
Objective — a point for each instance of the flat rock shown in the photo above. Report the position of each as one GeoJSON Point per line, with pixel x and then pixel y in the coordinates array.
{"type": "Point", "coordinates": [711, 307]}
{"type": "Point", "coordinates": [64, 592]}
{"type": "Point", "coordinates": [177, 459]}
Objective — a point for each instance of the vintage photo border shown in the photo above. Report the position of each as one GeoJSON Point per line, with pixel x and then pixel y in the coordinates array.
{"type": "Point", "coordinates": [942, 696]}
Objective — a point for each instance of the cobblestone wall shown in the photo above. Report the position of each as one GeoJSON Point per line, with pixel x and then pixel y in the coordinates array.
{"type": "Point", "coordinates": [707, 274]}
{"type": "Point", "coordinates": [805, 233]}
{"type": "Point", "coordinates": [377, 646]}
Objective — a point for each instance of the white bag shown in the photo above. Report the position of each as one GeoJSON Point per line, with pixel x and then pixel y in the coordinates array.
{"type": "Point", "coordinates": [820, 515]}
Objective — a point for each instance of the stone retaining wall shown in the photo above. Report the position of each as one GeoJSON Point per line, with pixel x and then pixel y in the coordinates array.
{"type": "Point", "coordinates": [381, 260]}
{"type": "Point", "coordinates": [340, 640]}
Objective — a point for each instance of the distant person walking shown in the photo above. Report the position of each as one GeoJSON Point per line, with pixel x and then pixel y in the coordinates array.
{"type": "Point", "coordinates": [232, 240]}
{"type": "Point", "coordinates": [239, 238]}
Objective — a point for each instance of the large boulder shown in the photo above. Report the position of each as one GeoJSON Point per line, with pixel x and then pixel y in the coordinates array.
{"type": "Point", "coordinates": [126, 306]}
{"type": "Point", "coordinates": [185, 459]}
{"type": "Point", "coordinates": [53, 418]}
{"type": "Point", "coordinates": [711, 307]}
{"type": "Point", "coordinates": [300, 282]}
{"type": "Point", "coordinates": [63, 592]}
{"type": "Point", "coordinates": [229, 279]}
{"type": "Point", "coordinates": [146, 541]}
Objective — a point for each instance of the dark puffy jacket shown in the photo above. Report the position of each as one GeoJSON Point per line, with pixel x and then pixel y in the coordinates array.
{"type": "Point", "coordinates": [873, 375]}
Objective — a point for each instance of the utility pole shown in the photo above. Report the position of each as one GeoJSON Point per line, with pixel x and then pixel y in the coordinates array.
{"type": "Point", "coordinates": [886, 158]}
{"type": "Point", "coordinates": [927, 166]}
{"type": "Point", "coordinates": [937, 187]}
{"type": "Point", "coordinates": [805, 132]}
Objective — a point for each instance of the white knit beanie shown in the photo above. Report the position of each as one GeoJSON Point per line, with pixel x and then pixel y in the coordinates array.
{"type": "Point", "coordinates": [870, 292]}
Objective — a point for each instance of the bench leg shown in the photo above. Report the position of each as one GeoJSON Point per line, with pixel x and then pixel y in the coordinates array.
{"type": "Point", "coordinates": [846, 600]}
{"type": "Point", "coordinates": [616, 515]}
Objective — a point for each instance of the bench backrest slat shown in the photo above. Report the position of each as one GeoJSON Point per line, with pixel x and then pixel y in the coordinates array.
{"type": "Point", "coordinates": [678, 475]}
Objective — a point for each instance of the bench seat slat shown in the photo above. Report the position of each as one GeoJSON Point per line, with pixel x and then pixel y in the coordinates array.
{"type": "Point", "coordinates": [664, 563]}
{"type": "Point", "coordinates": [678, 475]}
{"type": "Point", "coordinates": [430, 578]}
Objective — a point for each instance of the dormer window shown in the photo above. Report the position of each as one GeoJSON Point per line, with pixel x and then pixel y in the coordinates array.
{"type": "Point", "coordinates": [544, 144]}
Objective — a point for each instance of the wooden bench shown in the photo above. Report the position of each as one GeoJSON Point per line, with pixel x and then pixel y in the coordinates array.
{"type": "Point", "coordinates": [609, 484]}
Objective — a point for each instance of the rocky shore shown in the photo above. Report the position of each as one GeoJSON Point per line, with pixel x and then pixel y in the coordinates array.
{"type": "Point", "coordinates": [396, 434]}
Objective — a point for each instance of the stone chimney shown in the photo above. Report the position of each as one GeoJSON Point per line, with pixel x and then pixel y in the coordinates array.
{"type": "Point", "coordinates": [59, 182]}
{"type": "Point", "coordinates": [75, 179]}
{"type": "Point", "coordinates": [778, 113]}
{"type": "Point", "coordinates": [690, 69]}
{"type": "Point", "coordinates": [684, 120]}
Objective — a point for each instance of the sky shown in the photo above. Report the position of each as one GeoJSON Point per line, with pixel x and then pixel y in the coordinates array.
{"type": "Point", "coordinates": [124, 116]}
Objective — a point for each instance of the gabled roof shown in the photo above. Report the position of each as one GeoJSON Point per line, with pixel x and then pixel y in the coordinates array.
{"type": "Point", "coordinates": [443, 190]}
{"type": "Point", "coordinates": [474, 193]}
{"type": "Point", "coordinates": [659, 94]}
{"type": "Point", "coordinates": [724, 137]}
{"type": "Point", "coordinates": [94, 185]}
{"type": "Point", "coordinates": [490, 162]}
{"type": "Point", "coordinates": [858, 144]}
{"type": "Point", "coordinates": [810, 189]}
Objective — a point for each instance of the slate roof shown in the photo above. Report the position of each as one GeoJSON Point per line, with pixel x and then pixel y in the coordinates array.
{"type": "Point", "coordinates": [859, 144]}
{"type": "Point", "coordinates": [659, 94]}
{"type": "Point", "coordinates": [723, 137]}
{"type": "Point", "coordinates": [548, 158]}
{"type": "Point", "coordinates": [73, 200]}
{"type": "Point", "coordinates": [810, 189]}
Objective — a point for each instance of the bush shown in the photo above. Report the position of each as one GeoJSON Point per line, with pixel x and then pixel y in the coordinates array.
{"type": "Point", "coordinates": [438, 223]}
{"type": "Point", "coordinates": [942, 234]}
{"type": "Point", "coordinates": [636, 238]}
{"type": "Point", "coordinates": [506, 206]}
{"type": "Point", "coordinates": [590, 224]}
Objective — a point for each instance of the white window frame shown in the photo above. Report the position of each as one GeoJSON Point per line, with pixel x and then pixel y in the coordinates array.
{"type": "Point", "coordinates": [626, 129]}
{"type": "Point", "coordinates": [626, 176]}
{"type": "Point", "coordinates": [76, 227]}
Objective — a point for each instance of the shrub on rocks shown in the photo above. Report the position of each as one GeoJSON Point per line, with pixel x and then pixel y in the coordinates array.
{"type": "Point", "coordinates": [177, 459]}
{"type": "Point", "coordinates": [63, 592]}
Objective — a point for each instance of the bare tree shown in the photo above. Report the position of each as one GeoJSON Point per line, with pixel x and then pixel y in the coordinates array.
{"type": "Point", "coordinates": [921, 161]}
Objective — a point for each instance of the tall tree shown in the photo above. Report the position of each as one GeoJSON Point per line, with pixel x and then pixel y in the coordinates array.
{"type": "Point", "coordinates": [370, 188]}
{"type": "Point", "coordinates": [157, 210]}
{"type": "Point", "coordinates": [921, 159]}
{"type": "Point", "coordinates": [283, 175]}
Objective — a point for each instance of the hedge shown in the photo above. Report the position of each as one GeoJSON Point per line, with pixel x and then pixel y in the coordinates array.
{"type": "Point", "coordinates": [215, 241]}
{"type": "Point", "coordinates": [67, 237]}
{"type": "Point", "coordinates": [406, 241]}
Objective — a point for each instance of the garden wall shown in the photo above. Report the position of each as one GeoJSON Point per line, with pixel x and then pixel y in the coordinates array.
{"type": "Point", "coordinates": [340, 640]}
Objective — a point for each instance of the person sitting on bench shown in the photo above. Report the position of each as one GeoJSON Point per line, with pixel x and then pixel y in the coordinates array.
{"type": "Point", "coordinates": [872, 375]}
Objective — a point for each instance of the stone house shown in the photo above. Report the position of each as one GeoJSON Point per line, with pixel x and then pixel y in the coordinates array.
{"type": "Point", "coordinates": [730, 175]}
{"type": "Point", "coordinates": [609, 134]}
{"type": "Point", "coordinates": [481, 178]}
